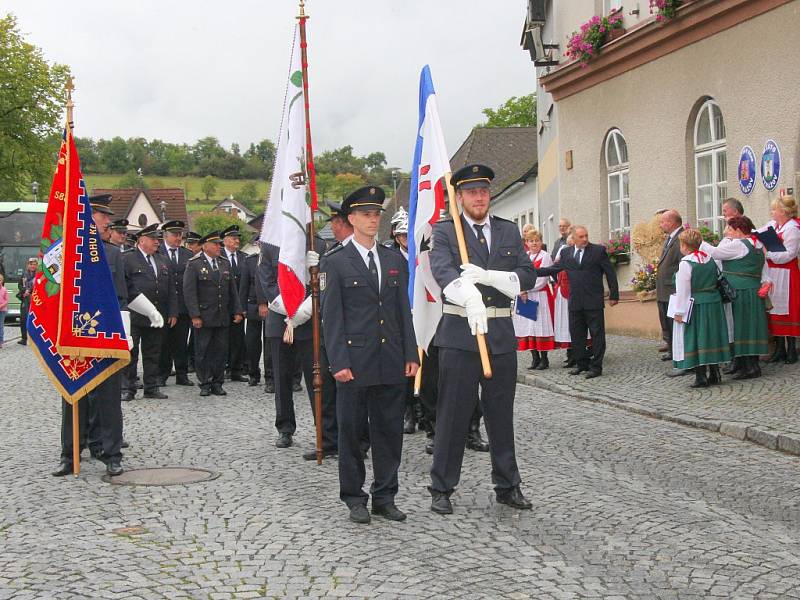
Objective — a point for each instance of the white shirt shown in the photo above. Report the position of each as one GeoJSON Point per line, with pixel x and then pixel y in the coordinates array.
{"type": "Point", "coordinates": [575, 254]}
{"type": "Point", "coordinates": [170, 250]}
{"type": "Point", "coordinates": [487, 230]}
{"type": "Point", "coordinates": [347, 240]}
{"type": "Point", "coordinates": [210, 260]}
{"type": "Point", "coordinates": [151, 260]}
{"type": "Point", "coordinates": [363, 252]}
{"type": "Point", "coordinates": [231, 259]}
{"type": "Point", "coordinates": [791, 241]}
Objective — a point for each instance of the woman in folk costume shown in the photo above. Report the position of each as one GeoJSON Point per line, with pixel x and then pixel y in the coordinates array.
{"type": "Point", "coordinates": [702, 342]}
{"type": "Point", "coordinates": [784, 317]}
{"type": "Point", "coordinates": [536, 336]}
{"type": "Point", "coordinates": [744, 267]}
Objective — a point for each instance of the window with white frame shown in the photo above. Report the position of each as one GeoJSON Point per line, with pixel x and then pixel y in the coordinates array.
{"type": "Point", "coordinates": [617, 172]}
{"type": "Point", "coordinates": [710, 166]}
{"type": "Point", "coordinates": [609, 5]}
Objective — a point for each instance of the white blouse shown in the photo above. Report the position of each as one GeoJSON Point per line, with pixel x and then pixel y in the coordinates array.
{"type": "Point", "coordinates": [731, 249]}
{"type": "Point", "coordinates": [683, 281]}
{"type": "Point", "coordinates": [791, 239]}
{"type": "Point", "coordinates": [541, 282]}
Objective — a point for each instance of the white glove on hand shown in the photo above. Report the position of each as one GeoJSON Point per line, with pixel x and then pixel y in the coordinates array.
{"type": "Point", "coordinates": [142, 305]}
{"type": "Point", "coordinates": [277, 306]}
{"type": "Point", "coordinates": [302, 315]}
{"type": "Point", "coordinates": [126, 325]}
{"type": "Point", "coordinates": [463, 292]}
{"type": "Point", "coordinates": [312, 259]}
{"type": "Point", "coordinates": [505, 282]}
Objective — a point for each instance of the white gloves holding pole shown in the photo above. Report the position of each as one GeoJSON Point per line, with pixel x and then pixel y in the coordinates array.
{"type": "Point", "coordinates": [144, 307]}
{"type": "Point", "coordinates": [312, 259]}
{"type": "Point", "coordinates": [463, 292]}
{"type": "Point", "coordinates": [505, 282]}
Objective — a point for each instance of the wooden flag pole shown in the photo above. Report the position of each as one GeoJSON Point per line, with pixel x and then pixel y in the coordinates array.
{"type": "Point", "coordinates": [314, 271]}
{"type": "Point", "coordinates": [462, 249]}
{"type": "Point", "coordinates": [76, 446]}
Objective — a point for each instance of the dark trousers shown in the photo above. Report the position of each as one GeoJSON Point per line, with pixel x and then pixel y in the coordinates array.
{"type": "Point", "coordinates": [210, 350]}
{"type": "Point", "coordinates": [284, 358]}
{"type": "Point", "coordinates": [236, 348]}
{"type": "Point", "coordinates": [429, 387]}
{"type": "Point", "coordinates": [594, 321]}
{"type": "Point", "coordinates": [148, 340]}
{"type": "Point", "coordinates": [252, 340]}
{"type": "Point", "coordinates": [380, 408]}
{"type": "Point", "coordinates": [24, 307]}
{"type": "Point", "coordinates": [100, 420]}
{"type": "Point", "coordinates": [666, 324]}
{"type": "Point", "coordinates": [267, 356]}
{"type": "Point", "coordinates": [460, 373]}
{"type": "Point", "coordinates": [175, 349]}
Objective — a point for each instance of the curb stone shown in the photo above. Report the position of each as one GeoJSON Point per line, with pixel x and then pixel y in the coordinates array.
{"type": "Point", "coordinates": [763, 436]}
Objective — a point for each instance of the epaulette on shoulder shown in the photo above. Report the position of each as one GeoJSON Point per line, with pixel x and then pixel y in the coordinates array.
{"type": "Point", "coordinates": [503, 219]}
{"type": "Point", "coordinates": [196, 256]}
{"type": "Point", "coordinates": [223, 257]}
{"type": "Point", "coordinates": [333, 250]}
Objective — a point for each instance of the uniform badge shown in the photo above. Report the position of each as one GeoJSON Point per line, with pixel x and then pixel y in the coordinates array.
{"type": "Point", "coordinates": [371, 191]}
{"type": "Point", "coordinates": [322, 278]}
{"type": "Point", "coordinates": [474, 169]}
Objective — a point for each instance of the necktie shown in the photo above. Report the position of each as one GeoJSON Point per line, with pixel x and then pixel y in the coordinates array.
{"type": "Point", "coordinates": [233, 261]}
{"type": "Point", "coordinates": [174, 255]}
{"type": "Point", "coordinates": [151, 265]}
{"type": "Point", "coordinates": [373, 269]}
{"type": "Point", "coordinates": [213, 264]}
{"type": "Point", "coordinates": [482, 239]}
{"type": "Point", "coordinates": [579, 255]}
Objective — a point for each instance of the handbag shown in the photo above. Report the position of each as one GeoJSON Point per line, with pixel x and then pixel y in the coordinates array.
{"type": "Point", "coordinates": [726, 290]}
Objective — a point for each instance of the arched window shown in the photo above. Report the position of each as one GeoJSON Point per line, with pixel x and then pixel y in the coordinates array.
{"type": "Point", "coordinates": [617, 170]}
{"type": "Point", "coordinates": [710, 166]}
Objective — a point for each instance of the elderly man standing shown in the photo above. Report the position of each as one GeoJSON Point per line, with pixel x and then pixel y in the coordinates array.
{"type": "Point", "coordinates": [564, 227]}
{"type": "Point", "coordinates": [671, 224]}
{"type": "Point", "coordinates": [731, 207]}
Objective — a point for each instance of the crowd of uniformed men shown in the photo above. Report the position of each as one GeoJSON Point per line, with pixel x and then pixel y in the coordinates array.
{"type": "Point", "coordinates": [199, 304]}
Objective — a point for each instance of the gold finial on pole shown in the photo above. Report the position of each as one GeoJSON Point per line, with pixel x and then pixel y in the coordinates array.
{"type": "Point", "coordinates": [70, 104]}
{"type": "Point", "coordinates": [302, 14]}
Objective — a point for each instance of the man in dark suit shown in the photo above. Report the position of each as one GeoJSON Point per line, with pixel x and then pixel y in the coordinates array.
{"type": "Point", "coordinates": [371, 345]}
{"type": "Point", "coordinates": [477, 299]}
{"type": "Point", "coordinates": [671, 223]}
{"type": "Point", "coordinates": [212, 301]}
{"type": "Point", "coordinates": [564, 227]}
{"type": "Point", "coordinates": [586, 264]}
{"type": "Point", "coordinates": [174, 347]}
{"type": "Point", "coordinates": [231, 240]}
{"type": "Point", "coordinates": [249, 297]}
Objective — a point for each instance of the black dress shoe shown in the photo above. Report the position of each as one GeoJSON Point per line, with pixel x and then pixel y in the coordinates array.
{"type": "Point", "coordinates": [156, 395]}
{"type": "Point", "coordinates": [440, 502]}
{"type": "Point", "coordinates": [284, 440]}
{"type": "Point", "coordinates": [217, 390]}
{"type": "Point", "coordinates": [128, 396]}
{"type": "Point", "coordinates": [64, 468]}
{"type": "Point", "coordinates": [476, 442]}
{"type": "Point", "coordinates": [184, 381]}
{"type": "Point", "coordinates": [578, 371]}
{"type": "Point", "coordinates": [312, 454]}
{"type": "Point", "coordinates": [593, 373]}
{"type": "Point", "coordinates": [204, 391]}
{"type": "Point", "coordinates": [514, 498]}
{"type": "Point", "coordinates": [429, 445]}
{"type": "Point", "coordinates": [269, 386]}
{"type": "Point", "coordinates": [389, 511]}
{"type": "Point", "coordinates": [359, 514]}
{"type": "Point", "coordinates": [240, 377]}
{"type": "Point", "coordinates": [22, 343]}
{"type": "Point", "coordinates": [666, 357]}
{"type": "Point", "coordinates": [253, 382]}
{"type": "Point", "coordinates": [124, 444]}
{"type": "Point", "coordinates": [114, 467]}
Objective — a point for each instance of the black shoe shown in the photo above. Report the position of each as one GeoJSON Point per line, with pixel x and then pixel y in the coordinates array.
{"type": "Point", "coordinates": [296, 387]}
{"type": "Point", "coordinates": [514, 499]}
{"type": "Point", "coordinates": [156, 395]}
{"type": "Point", "coordinates": [476, 442]}
{"type": "Point", "coordinates": [714, 376]}
{"type": "Point", "coordinates": [183, 381]}
{"type": "Point", "coordinates": [22, 343]}
{"type": "Point", "coordinates": [780, 350]}
{"type": "Point", "coordinates": [429, 445]}
{"type": "Point", "coordinates": [253, 381]}
{"type": "Point", "coordinates": [593, 373]}
{"type": "Point", "coordinates": [534, 360]}
{"type": "Point", "coordinates": [64, 468]}
{"type": "Point", "coordinates": [544, 362]}
{"type": "Point", "coordinates": [440, 502]}
{"type": "Point", "coordinates": [578, 371]}
{"type": "Point", "coordinates": [269, 386]}
{"type": "Point", "coordinates": [114, 467]}
{"type": "Point", "coordinates": [735, 366]}
{"type": "Point", "coordinates": [216, 389]}
{"type": "Point", "coordinates": [791, 351]}
{"type": "Point", "coordinates": [388, 511]}
{"type": "Point", "coordinates": [312, 454]}
{"type": "Point", "coordinates": [240, 377]}
{"type": "Point", "coordinates": [700, 379]}
{"type": "Point", "coordinates": [666, 357]}
{"type": "Point", "coordinates": [569, 364]}
{"type": "Point", "coordinates": [128, 396]}
{"type": "Point", "coordinates": [284, 440]}
{"type": "Point", "coordinates": [409, 423]}
{"type": "Point", "coordinates": [124, 444]}
{"type": "Point", "coordinates": [359, 514]}
{"type": "Point", "coordinates": [205, 391]}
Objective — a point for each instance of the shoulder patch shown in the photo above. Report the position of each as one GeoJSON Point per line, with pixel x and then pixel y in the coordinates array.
{"type": "Point", "coordinates": [334, 249]}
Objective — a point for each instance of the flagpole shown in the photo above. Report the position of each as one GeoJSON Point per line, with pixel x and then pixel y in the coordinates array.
{"type": "Point", "coordinates": [418, 376]}
{"type": "Point", "coordinates": [76, 446]}
{"type": "Point", "coordinates": [314, 271]}
{"type": "Point", "coordinates": [462, 249]}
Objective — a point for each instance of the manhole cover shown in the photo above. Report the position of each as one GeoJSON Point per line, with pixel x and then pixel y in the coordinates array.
{"type": "Point", "coordinates": [162, 476]}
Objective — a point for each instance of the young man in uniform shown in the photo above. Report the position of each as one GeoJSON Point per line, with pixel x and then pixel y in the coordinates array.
{"type": "Point", "coordinates": [371, 346]}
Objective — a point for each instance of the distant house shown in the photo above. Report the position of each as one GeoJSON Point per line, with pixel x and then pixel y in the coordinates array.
{"type": "Point", "coordinates": [236, 209]}
{"type": "Point", "coordinates": [145, 207]}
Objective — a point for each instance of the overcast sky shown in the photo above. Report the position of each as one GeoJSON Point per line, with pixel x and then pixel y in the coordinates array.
{"type": "Point", "coordinates": [180, 71]}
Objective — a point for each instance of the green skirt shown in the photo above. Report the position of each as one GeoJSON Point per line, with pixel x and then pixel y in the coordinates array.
{"type": "Point", "coordinates": [750, 328]}
{"type": "Point", "coordinates": [705, 337]}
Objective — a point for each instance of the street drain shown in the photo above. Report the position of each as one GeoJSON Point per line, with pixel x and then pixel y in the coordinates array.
{"type": "Point", "coordinates": [162, 476]}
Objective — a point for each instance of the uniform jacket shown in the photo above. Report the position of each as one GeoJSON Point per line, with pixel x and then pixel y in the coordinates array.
{"type": "Point", "coordinates": [367, 330]}
{"type": "Point", "coordinates": [184, 254]}
{"type": "Point", "coordinates": [667, 267]}
{"type": "Point", "coordinates": [506, 254]}
{"type": "Point", "coordinates": [241, 257]}
{"type": "Point", "coordinates": [141, 279]}
{"type": "Point", "coordinates": [211, 295]}
{"type": "Point", "coordinates": [117, 265]}
{"type": "Point", "coordinates": [586, 278]}
{"type": "Point", "coordinates": [248, 287]}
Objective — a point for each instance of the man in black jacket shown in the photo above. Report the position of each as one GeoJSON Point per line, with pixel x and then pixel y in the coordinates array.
{"type": "Point", "coordinates": [231, 240]}
{"type": "Point", "coordinates": [249, 297]}
{"type": "Point", "coordinates": [671, 223]}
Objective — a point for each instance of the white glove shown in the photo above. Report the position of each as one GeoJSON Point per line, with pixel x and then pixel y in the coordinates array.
{"type": "Point", "coordinates": [302, 315]}
{"type": "Point", "coordinates": [312, 259]}
{"type": "Point", "coordinates": [142, 305]}
{"type": "Point", "coordinates": [126, 325]}
{"type": "Point", "coordinates": [463, 292]}
{"type": "Point", "coordinates": [505, 282]}
{"type": "Point", "coordinates": [277, 306]}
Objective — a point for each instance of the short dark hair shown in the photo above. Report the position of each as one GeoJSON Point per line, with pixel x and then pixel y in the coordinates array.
{"type": "Point", "coordinates": [735, 204]}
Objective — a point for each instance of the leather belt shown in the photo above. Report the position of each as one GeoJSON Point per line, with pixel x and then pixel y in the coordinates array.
{"type": "Point", "coordinates": [492, 312]}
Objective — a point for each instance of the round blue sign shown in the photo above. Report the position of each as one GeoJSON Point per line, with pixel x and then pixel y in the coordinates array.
{"type": "Point", "coordinates": [747, 170]}
{"type": "Point", "coordinates": [770, 165]}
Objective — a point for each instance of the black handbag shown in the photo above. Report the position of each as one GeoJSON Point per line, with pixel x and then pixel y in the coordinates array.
{"type": "Point", "coordinates": [726, 290]}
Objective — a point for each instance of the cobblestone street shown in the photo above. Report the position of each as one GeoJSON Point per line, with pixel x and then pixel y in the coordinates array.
{"type": "Point", "coordinates": [625, 506]}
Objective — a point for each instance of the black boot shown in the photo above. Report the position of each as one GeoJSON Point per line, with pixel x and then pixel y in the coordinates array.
{"type": "Point", "coordinates": [755, 367]}
{"type": "Point", "coordinates": [714, 375]}
{"type": "Point", "coordinates": [747, 367]}
{"type": "Point", "coordinates": [791, 350]}
{"type": "Point", "coordinates": [544, 362]}
{"type": "Point", "coordinates": [570, 362]}
{"type": "Point", "coordinates": [780, 350]}
{"type": "Point", "coordinates": [735, 366]}
{"type": "Point", "coordinates": [409, 421]}
{"type": "Point", "coordinates": [474, 439]}
{"type": "Point", "coordinates": [700, 379]}
{"type": "Point", "coordinates": [534, 360]}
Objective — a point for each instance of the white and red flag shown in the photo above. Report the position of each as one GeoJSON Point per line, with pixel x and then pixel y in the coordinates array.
{"type": "Point", "coordinates": [426, 201]}
{"type": "Point", "coordinates": [287, 214]}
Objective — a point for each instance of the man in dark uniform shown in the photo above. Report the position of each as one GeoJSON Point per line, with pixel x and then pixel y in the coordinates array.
{"type": "Point", "coordinates": [100, 413]}
{"type": "Point", "coordinates": [370, 342]}
{"type": "Point", "coordinates": [119, 233]}
{"type": "Point", "coordinates": [149, 276]}
{"type": "Point", "coordinates": [213, 304]}
{"type": "Point", "coordinates": [477, 299]}
{"type": "Point", "coordinates": [174, 347]}
{"type": "Point", "coordinates": [192, 242]}
{"type": "Point", "coordinates": [249, 297]}
{"type": "Point", "coordinates": [231, 239]}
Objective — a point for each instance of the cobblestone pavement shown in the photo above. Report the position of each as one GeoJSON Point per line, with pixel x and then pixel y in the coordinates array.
{"type": "Point", "coordinates": [624, 507]}
{"type": "Point", "coordinates": [765, 410]}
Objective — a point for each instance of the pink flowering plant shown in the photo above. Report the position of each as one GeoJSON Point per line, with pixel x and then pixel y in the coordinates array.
{"type": "Point", "coordinates": [664, 9]}
{"type": "Point", "coordinates": [584, 45]}
{"type": "Point", "coordinates": [619, 244]}
{"type": "Point", "coordinates": [644, 280]}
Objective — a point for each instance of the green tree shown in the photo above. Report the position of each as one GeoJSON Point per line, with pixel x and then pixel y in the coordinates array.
{"type": "Point", "coordinates": [131, 179]}
{"type": "Point", "coordinates": [114, 155]}
{"type": "Point", "coordinates": [248, 193]}
{"type": "Point", "coordinates": [514, 112]}
{"type": "Point", "coordinates": [31, 113]}
{"type": "Point", "coordinates": [341, 160]}
{"type": "Point", "coordinates": [209, 186]}
{"type": "Point", "coordinates": [205, 222]}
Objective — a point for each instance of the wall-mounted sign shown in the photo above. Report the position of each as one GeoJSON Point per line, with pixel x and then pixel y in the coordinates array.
{"type": "Point", "coordinates": [747, 170]}
{"type": "Point", "coordinates": [770, 165]}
